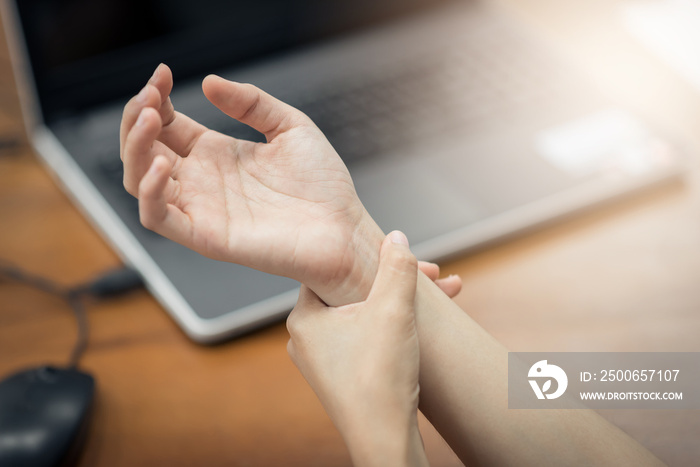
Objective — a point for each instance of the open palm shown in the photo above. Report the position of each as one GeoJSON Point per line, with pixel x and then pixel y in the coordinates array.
{"type": "Point", "coordinates": [287, 206]}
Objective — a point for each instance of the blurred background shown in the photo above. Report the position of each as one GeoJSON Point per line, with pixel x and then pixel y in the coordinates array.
{"type": "Point", "coordinates": [623, 277]}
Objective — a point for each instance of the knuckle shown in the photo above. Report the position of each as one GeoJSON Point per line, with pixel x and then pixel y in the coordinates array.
{"type": "Point", "coordinates": [129, 187]}
{"type": "Point", "coordinates": [293, 325]}
{"type": "Point", "coordinates": [146, 220]}
{"type": "Point", "coordinates": [252, 106]}
{"type": "Point", "coordinates": [167, 112]}
{"type": "Point", "coordinates": [248, 87]}
{"type": "Point", "coordinates": [302, 120]}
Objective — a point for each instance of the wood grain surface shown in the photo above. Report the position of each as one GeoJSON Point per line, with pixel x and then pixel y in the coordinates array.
{"type": "Point", "coordinates": [624, 277]}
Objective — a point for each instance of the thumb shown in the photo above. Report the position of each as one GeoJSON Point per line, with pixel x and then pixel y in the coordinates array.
{"type": "Point", "coordinates": [252, 106]}
{"type": "Point", "coordinates": [395, 283]}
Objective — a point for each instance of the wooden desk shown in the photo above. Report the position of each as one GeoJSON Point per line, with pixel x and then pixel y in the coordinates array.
{"type": "Point", "coordinates": [621, 278]}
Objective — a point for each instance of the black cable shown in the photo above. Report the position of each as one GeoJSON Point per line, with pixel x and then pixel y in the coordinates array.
{"type": "Point", "coordinates": [108, 284]}
{"type": "Point", "coordinates": [78, 306]}
{"type": "Point", "coordinates": [9, 143]}
{"type": "Point", "coordinates": [37, 282]}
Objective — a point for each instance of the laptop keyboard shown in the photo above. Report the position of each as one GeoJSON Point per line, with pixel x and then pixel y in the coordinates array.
{"type": "Point", "coordinates": [460, 91]}
{"type": "Point", "coordinates": [474, 84]}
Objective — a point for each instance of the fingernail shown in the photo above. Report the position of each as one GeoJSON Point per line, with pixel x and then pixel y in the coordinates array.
{"type": "Point", "coordinates": [398, 237]}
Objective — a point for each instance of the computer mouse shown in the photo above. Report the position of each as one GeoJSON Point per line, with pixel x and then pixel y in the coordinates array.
{"type": "Point", "coordinates": [44, 416]}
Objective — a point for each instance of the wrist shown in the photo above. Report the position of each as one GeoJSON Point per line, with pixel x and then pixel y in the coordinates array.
{"type": "Point", "coordinates": [363, 248]}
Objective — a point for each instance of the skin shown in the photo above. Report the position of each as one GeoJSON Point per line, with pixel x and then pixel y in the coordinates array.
{"type": "Point", "coordinates": [288, 207]}
{"type": "Point", "coordinates": [367, 351]}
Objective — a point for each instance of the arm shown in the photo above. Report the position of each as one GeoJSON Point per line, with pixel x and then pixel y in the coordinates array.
{"type": "Point", "coordinates": [463, 388]}
{"type": "Point", "coordinates": [362, 361]}
{"type": "Point", "coordinates": [289, 207]}
{"type": "Point", "coordinates": [464, 393]}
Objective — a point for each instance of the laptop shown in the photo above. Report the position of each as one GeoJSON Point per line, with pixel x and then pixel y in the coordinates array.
{"type": "Point", "coordinates": [458, 127]}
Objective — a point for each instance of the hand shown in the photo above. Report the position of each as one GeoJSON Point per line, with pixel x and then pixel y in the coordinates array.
{"type": "Point", "coordinates": [362, 360]}
{"type": "Point", "coordinates": [287, 207]}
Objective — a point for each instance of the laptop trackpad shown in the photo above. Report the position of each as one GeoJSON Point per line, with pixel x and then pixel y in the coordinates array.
{"type": "Point", "coordinates": [407, 194]}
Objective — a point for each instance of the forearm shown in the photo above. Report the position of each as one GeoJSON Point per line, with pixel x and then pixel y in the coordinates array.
{"type": "Point", "coordinates": [464, 390]}
{"type": "Point", "coordinates": [464, 393]}
{"type": "Point", "coordinates": [372, 444]}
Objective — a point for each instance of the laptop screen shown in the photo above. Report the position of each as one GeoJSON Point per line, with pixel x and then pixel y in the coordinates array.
{"type": "Point", "coordinates": [87, 52]}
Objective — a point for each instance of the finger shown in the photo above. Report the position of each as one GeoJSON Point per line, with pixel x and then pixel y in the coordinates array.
{"type": "Point", "coordinates": [451, 285]}
{"type": "Point", "coordinates": [307, 303]}
{"type": "Point", "coordinates": [397, 273]}
{"type": "Point", "coordinates": [431, 270]}
{"type": "Point", "coordinates": [156, 89]}
{"type": "Point", "coordinates": [162, 80]}
{"type": "Point", "coordinates": [156, 191]}
{"type": "Point", "coordinates": [147, 97]}
{"type": "Point", "coordinates": [179, 131]}
{"type": "Point", "coordinates": [137, 148]}
{"type": "Point", "coordinates": [252, 106]}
